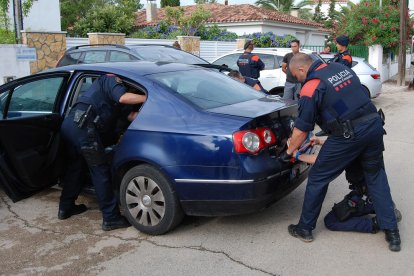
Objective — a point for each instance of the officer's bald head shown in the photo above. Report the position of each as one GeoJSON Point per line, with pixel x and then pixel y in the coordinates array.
{"type": "Point", "coordinates": [299, 66]}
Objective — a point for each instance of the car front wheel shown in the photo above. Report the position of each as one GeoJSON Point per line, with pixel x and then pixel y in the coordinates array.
{"type": "Point", "coordinates": [149, 202]}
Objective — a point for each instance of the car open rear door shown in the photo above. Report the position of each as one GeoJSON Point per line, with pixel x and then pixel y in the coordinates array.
{"type": "Point", "coordinates": [30, 119]}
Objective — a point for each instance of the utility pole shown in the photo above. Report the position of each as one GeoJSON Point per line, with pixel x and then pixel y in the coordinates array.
{"type": "Point", "coordinates": [18, 19]}
{"type": "Point", "coordinates": [403, 42]}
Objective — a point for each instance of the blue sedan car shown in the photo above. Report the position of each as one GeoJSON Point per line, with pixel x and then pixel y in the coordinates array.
{"type": "Point", "coordinates": [203, 144]}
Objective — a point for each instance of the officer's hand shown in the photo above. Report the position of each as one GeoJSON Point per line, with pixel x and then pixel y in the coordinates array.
{"type": "Point", "coordinates": [285, 157]}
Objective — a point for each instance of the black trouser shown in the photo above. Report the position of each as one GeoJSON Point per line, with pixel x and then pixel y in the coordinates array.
{"type": "Point", "coordinates": [75, 138]}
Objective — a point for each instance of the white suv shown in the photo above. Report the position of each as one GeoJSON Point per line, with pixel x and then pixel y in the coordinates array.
{"type": "Point", "coordinates": [272, 77]}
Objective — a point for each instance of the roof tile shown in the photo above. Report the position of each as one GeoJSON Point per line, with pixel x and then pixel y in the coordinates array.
{"type": "Point", "coordinates": [231, 13]}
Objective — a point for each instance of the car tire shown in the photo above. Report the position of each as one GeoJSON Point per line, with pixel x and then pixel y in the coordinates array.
{"type": "Point", "coordinates": [148, 200]}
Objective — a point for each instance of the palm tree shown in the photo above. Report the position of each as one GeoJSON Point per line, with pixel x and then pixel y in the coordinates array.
{"type": "Point", "coordinates": [287, 5]}
{"type": "Point", "coordinates": [278, 5]}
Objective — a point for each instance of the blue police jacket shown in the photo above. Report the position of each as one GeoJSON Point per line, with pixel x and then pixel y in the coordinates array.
{"type": "Point", "coordinates": [331, 92]}
{"type": "Point", "coordinates": [250, 65]}
{"type": "Point", "coordinates": [343, 58]}
{"type": "Point", "coordinates": [104, 95]}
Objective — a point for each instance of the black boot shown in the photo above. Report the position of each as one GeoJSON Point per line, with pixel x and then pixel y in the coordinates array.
{"type": "Point", "coordinates": [121, 222]}
{"type": "Point", "coordinates": [75, 210]}
{"type": "Point", "coordinates": [375, 226]}
{"type": "Point", "coordinates": [393, 239]}
{"type": "Point", "coordinates": [300, 233]}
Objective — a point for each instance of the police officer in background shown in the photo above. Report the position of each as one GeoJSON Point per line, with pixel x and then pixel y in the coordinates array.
{"type": "Point", "coordinates": [332, 98]}
{"type": "Point", "coordinates": [292, 85]}
{"type": "Point", "coordinates": [343, 56]}
{"type": "Point", "coordinates": [249, 64]}
{"type": "Point", "coordinates": [249, 81]}
{"type": "Point", "coordinates": [90, 120]}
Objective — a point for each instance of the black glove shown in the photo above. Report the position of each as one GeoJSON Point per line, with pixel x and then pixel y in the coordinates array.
{"type": "Point", "coordinates": [285, 157]}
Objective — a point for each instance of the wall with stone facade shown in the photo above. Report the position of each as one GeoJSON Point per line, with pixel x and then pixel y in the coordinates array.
{"type": "Point", "coordinates": [50, 46]}
{"type": "Point", "coordinates": [190, 44]}
{"type": "Point", "coordinates": [106, 38]}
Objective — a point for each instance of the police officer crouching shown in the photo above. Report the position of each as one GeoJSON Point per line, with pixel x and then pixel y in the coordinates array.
{"type": "Point", "coordinates": [91, 118]}
{"type": "Point", "coordinates": [332, 97]}
{"type": "Point", "coordinates": [249, 81]}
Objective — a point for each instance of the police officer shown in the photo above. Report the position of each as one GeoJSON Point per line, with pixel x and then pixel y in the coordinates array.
{"type": "Point", "coordinates": [249, 64]}
{"type": "Point", "coordinates": [352, 213]}
{"type": "Point", "coordinates": [343, 56]}
{"type": "Point", "coordinates": [332, 98]}
{"type": "Point", "coordinates": [90, 120]}
{"type": "Point", "coordinates": [249, 81]}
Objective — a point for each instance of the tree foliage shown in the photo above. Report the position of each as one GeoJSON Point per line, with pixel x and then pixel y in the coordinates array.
{"type": "Point", "coordinates": [318, 16]}
{"type": "Point", "coordinates": [333, 15]}
{"type": "Point", "coordinates": [367, 25]}
{"type": "Point", "coordinates": [187, 24]}
{"type": "Point", "coordinates": [170, 3]}
{"type": "Point", "coordinates": [4, 8]}
{"type": "Point", "coordinates": [82, 16]}
{"type": "Point", "coordinates": [286, 6]}
{"type": "Point", "coordinates": [205, 1]}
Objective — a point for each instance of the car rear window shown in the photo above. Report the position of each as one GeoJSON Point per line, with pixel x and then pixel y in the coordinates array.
{"type": "Point", "coordinates": [166, 54]}
{"type": "Point", "coordinates": [69, 59]}
{"type": "Point", "coordinates": [206, 88]}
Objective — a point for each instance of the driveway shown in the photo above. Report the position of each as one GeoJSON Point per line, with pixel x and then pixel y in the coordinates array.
{"type": "Point", "coordinates": [34, 241]}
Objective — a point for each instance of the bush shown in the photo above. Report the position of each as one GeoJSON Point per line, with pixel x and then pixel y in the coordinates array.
{"type": "Point", "coordinates": [216, 34]}
{"type": "Point", "coordinates": [368, 25]}
{"type": "Point", "coordinates": [165, 31]}
{"type": "Point", "coordinates": [269, 39]}
{"type": "Point", "coordinates": [7, 37]}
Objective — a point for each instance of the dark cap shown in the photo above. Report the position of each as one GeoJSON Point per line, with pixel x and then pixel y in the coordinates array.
{"type": "Point", "coordinates": [342, 40]}
{"type": "Point", "coordinates": [247, 44]}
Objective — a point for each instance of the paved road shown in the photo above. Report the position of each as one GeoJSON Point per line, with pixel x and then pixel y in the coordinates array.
{"type": "Point", "coordinates": [34, 241]}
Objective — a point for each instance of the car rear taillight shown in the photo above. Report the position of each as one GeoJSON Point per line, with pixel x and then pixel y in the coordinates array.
{"type": "Point", "coordinates": [376, 76]}
{"type": "Point", "coordinates": [253, 140]}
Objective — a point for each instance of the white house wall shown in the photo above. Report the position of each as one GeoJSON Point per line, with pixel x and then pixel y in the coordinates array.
{"type": "Point", "coordinates": [306, 35]}
{"type": "Point", "coordinates": [43, 16]}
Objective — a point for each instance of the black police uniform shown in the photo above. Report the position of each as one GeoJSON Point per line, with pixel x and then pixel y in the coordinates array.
{"type": "Point", "coordinates": [332, 98]}
{"type": "Point", "coordinates": [252, 82]}
{"type": "Point", "coordinates": [344, 58]}
{"type": "Point", "coordinates": [250, 65]}
{"type": "Point", "coordinates": [89, 121]}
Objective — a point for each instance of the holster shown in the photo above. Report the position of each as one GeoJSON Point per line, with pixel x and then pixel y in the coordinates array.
{"type": "Point", "coordinates": [93, 151]}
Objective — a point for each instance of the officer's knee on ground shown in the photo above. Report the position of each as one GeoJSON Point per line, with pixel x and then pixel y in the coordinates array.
{"type": "Point", "coordinates": [330, 220]}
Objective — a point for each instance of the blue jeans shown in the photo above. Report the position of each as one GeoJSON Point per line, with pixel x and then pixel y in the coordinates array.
{"type": "Point", "coordinates": [291, 91]}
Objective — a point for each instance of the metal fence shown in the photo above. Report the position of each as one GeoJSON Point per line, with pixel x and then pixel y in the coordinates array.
{"type": "Point", "coordinates": [355, 50]}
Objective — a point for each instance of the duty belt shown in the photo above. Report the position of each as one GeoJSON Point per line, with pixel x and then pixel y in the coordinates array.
{"type": "Point", "coordinates": [346, 128]}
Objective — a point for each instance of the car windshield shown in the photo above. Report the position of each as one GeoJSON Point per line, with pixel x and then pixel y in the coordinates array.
{"type": "Point", "coordinates": [166, 54]}
{"type": "Point", "coordinates": [206, 88]}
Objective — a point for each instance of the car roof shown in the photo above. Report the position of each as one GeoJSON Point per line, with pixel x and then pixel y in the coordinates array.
{"type": "Point", "coordinates": [275, 50]}
{"type": "Point", "coordinates": [359, 59]}
{"type": "Point", "coordinates": [112, 46]}
{"type": "Point", "coordinates": [140, 68]}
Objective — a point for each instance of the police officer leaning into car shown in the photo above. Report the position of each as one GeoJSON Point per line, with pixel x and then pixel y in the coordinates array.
{"type": "Point", "coordinates": [91, 118]}
{"type": "Point", "coordinates": [343, 56]}
{"type": "Point", "coordinates": [249, 64]}
{"type": "Point", "coordinates": [332, 98]}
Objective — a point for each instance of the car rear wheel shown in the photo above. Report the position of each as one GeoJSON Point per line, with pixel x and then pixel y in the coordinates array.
{"type": "Point", "coordinates": [149, 202]}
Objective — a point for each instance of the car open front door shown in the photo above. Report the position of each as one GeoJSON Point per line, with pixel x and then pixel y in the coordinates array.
{"type": "Point", "coordinates": [29, 133]}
